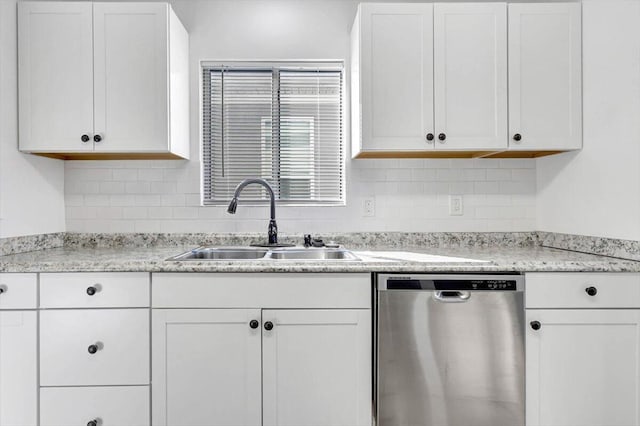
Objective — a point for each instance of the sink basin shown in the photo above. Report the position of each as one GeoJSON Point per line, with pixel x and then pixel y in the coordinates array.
{"type": "Point", "coordinates": [312, 254]}
{"type": "Point", "coordinates": [223, 253]}
{"type": "Point", "coordinates": [256, 253]}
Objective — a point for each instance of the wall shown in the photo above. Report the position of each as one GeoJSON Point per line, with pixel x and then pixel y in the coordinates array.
{"type": "Point", "coordinates": [31, 188]}
{"type": "Point", "coordinates": [410, 195]}
{"type": "Point", "coordinates": [597, 191]}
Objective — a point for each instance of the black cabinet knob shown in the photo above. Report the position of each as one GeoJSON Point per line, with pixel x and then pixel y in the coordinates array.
{"type": "Point", "coordinates": [2, 289]}
{"type": "Point", "coordinates": [91, 290]}
{"type": "Point", "coordinates": [268, 325]}
{"type": "Point", "coordinates": [84, 138]}
{"type": "Point", "coordinates": [591, 291]}
{"type": "Point", "coordinates": [97, 138]}
{"type": "Point", "coordinates": [535, 325]}
{"type": "Point", "coordinates": [92, 349]}
{"type": "Point", "coordinates": [517, 137]}
{"type": "Point", "coordinates": [430, 137]}
{"type": "Point", "coordinates": [254, 323]}
{"type": "Point", "coordinates": [93, 422]}
{"type": "Point", "coordinates": [442, 136]}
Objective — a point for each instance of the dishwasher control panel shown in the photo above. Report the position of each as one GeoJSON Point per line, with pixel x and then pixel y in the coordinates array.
{"type": "Point", "coordinates": [451, 282]}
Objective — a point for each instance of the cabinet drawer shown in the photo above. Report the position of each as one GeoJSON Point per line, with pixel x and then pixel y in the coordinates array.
{"type": "Point", "coordinates": [94, 290]}
{"type": "Point", "coordinates": [569, 290]}
{"type": "Point", "coordinates": [108, 406]}
{"type": "Point", "coordinates": [297, 291]}
{"type": "Point", "coordinates": [118, 338]}
{"type": "Point", "coordinates": [18, 291]}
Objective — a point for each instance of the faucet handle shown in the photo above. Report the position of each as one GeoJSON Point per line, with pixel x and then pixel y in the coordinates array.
{"type": "Point", "coordinates": [307, 240]}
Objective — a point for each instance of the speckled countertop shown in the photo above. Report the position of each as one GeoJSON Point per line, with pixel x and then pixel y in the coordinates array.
{"type": "Point", "coordinates": [153, 259]}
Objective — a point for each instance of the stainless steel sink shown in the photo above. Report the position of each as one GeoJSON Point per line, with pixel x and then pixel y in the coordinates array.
{"type": "Point", "coordinates": [257, 253]}
{"type": "Point", "coordinates": [223, 253]}
{"type": "Point", "coordinates": [312, 254]}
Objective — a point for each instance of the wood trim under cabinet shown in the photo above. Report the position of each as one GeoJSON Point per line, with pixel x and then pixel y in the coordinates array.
{"type": "Point", "coordinates": [110, 155]}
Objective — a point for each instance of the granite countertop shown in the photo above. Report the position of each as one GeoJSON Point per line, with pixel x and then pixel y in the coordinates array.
{"type": "Point", "coordinates": [474, 259]}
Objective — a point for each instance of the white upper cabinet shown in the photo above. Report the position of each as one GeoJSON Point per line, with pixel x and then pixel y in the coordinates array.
{"type": "Point", "coordinates": [465, 79]}
{"type": "Point", "coordinates": [545, 84]}
{"type": "Point", "coordinates": [395, 80]}
{"type": "Point", "coordinates": [100, 79]}
{"type": "Point", "coordinates": [56, 76]}
{"type": "Point", "coordinates": [470, 79]}
{"type": "Point", "coordinates": [130, 88]}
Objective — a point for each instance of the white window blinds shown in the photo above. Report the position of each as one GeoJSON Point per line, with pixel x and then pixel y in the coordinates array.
{"type": "Point", "coordinates": [282, 124]}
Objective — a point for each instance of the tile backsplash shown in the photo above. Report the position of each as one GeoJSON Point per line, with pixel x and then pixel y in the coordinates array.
{"type": "Point", "coordinates": [409, 194]}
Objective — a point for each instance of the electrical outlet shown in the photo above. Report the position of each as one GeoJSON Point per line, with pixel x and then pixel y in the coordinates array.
{"type": "Point", "coordinates": [455, 205]}
{"type": "Point", "coordinates": [369, 207]}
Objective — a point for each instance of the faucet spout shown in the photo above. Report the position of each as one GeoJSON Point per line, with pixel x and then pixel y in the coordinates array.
{"type": "Point", "coordinates": [273, 227]}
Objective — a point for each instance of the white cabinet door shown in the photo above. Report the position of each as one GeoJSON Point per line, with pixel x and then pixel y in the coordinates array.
{"type": "Point", "coordinates": [583, 367]}
{"type": "Point", "coordinates": [396, 72]}
{"type": "Point", "coordinates": [18, 368]}
{"type": "Point", "coordinates": [131, 82]}
{"type": "Point", "coordinates": [470, 78]}
{"type": "Point", "coordinates": [56, 76]}
{"type": "Point", "coordinates": [545, 103]}
{"type": "Point", "coordinates": [206, 367]}
{"type": "Point", "coordinates": [107, 406]}
{"type": "Point", "coordinates": [317, 368]}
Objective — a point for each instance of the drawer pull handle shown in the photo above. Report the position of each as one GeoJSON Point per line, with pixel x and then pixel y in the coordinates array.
{"type": "Point", "coordinates": [91, 290]}
{"type": "Point", "coordinates": [268, 325]}
{"type": "Point", "coordinates": [94, 422]}
{"type": "Point", "coordinates": [591, 291]}
{"type": "Point", "coordinates": [93, 349]}
{"type": "Point", "coordinates": [254, 323]}
{"type": "Point", "coordinates": [535, 325]}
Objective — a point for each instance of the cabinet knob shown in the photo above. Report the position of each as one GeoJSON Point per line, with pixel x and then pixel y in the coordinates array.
{"type": "Point", "coordinates": [93, 349]}
{"type": "Point", "coordinates": [97, 138]}
{"type": "Point", "coordinates": [517, 137]}
{"type": "Point", "coordinates": [591, 291]}
{"type": "Point", "coordinates": [91, 290]}
{"type": "Point", "coordinates": [2, 289]}
{"type": "Point", "coordinates": [535, 325]}
{"type": "Point", "coordinates": [268, 325]}
{"type": "Point", "coordinates": [84, 138]}
{"type": "Point", "coordinates": [93, 422]}
{"type": "Point", "coordinates": [254, 323]}
{"type": "Point", "coordinates": [442, 137]}
{"type": "Point", "coordinates": [430, 137]}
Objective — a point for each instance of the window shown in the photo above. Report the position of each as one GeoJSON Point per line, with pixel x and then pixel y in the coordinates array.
{"type": "Point", "coordinates": [282, 123]}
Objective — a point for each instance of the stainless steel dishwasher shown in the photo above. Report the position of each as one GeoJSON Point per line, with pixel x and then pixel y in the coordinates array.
{"type": "Point", "coordinates": [450, 350]}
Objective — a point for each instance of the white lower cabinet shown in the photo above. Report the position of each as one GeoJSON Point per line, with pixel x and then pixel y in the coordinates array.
{"type": "Point", "coordinates": [95, 406]}
{"type": "Point", "coordinates": [316, 368]}
{"type": "Point", "coordinates": [18, 368]}
{"type": "Point", "coordinates": [206, 367]}
{"type": "Point", "coordinates": [583, 368]}
{"type": "Point", "coordinates": [583, 364]}
{"type": "Point", "coordinates": [282, 359]}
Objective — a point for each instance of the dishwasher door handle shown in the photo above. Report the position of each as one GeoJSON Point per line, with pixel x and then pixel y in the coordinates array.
{"type": "Point", "coordinates": [451, 296]}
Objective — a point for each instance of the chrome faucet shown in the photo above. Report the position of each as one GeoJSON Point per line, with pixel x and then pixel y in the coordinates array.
{"type": "Point", "coordinates": [273, 227]}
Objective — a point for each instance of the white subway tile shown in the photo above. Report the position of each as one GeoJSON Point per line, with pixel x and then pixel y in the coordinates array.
{"type": "Point", "coordinates": [96, 200]}
{"type": "Point", "coordinates": [173, 199]}
{"type": "Point", "coordinates": [129, 175]}
{"type": "Point", "coordinates": [150, 175]}
{"type": "Point", "coordinates": [134, 212]}
{"type": "Point", "coordinates": [137, 187]}
{"type": "Point", "coordinates": [112, 187]}
{"type": "Point", "coordinates": [148, 200]}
